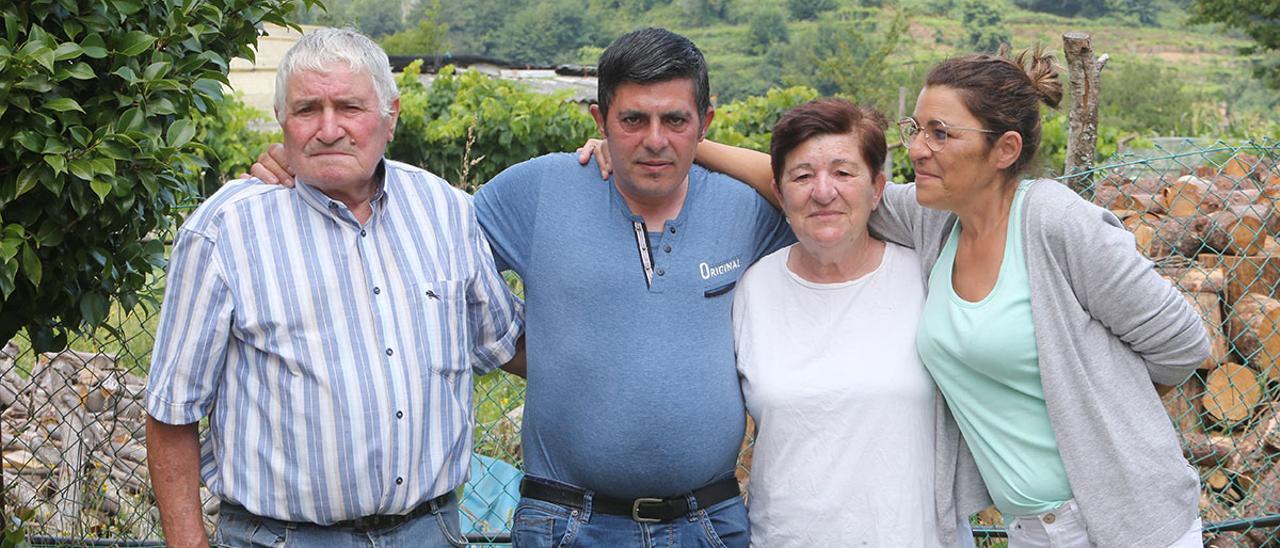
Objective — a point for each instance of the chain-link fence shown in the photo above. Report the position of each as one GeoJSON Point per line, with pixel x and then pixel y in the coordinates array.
{"type": "Point", "coordinates": [71, 424]}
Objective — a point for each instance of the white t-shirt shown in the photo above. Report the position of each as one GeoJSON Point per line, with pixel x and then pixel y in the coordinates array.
{"type": "Point", "coordinates": [844, 452]}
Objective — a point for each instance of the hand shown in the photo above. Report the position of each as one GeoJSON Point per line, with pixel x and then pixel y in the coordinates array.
{"type": "Point", "coordinates": [597, 148]}
{"type": "Point", "coordinates": [271, 167]}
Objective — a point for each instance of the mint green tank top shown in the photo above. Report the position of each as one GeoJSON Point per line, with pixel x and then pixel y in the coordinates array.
{"type": "Point", "coordinates": [983, 357]}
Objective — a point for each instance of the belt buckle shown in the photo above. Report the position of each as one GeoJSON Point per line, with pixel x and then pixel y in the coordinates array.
{"type": "Point", "coordinates": [635, 510]}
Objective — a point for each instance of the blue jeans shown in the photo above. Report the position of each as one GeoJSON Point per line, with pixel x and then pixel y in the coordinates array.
{"type": "Point", "coordinates": [541, 524]}
{"type": "Point", "coordinates": [240, 529]}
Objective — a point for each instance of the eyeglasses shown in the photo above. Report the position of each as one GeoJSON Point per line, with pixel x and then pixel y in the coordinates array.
{"type": "Point", "coordinates": [936, 132]}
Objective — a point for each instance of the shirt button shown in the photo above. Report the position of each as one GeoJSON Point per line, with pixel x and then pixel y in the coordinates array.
{"type": "Point", "coordinates": [399, 481]}
{"type": "Point", "coordinates": [661, 271]}
{"type": "Point", "coordinates": [666, 248]}
{"type": "Point", "coordinates": [1050, 518]}
{"type": "Point", "coordinates": [399, 414]}
{"type": "Point", "coordinates": [389, 352]}
{"type": "Point", "coordinates": [672, 229]}
{"type": "Point", "coordinates": [362, 233]}
{"type": "Point", "coordinates": [377, 291]}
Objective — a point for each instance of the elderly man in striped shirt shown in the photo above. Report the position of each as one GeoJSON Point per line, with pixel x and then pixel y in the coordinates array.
{"type": "Point", "coordinates": [329, 332]}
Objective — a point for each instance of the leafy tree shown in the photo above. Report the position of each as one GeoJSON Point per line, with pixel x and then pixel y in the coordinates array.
{"type": "Point", "coordinates": [429, 37]}
{"type": "Point", "coordinates": [1142, 11]}
{"type": "Point", "coordinates": [984, 27]}
{"type": "Point", "coordinates": [375, 18]}
{"type": "Point", "coordinates": [98, 106]}
{"type": "Point", "coordinates": [1259, 19]}
{"type": "Point", "coordinates": [849, 57]}
{"type": "Point", "coordinates": [703, 12]}
{"type": "Point", "coordinates": [467, 126]}
{"type": "Point", "coordinates": [1067, 8]}
{"type": "Point", "coordinates": [808, 10]}
{"type": "Point", "coordinates": [544, 33]}
{"type": "Point", "coordinates": [767, 27]}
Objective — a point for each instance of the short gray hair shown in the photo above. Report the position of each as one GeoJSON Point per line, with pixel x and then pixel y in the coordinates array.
{"type": "Point", "coordinates": [320, 49]}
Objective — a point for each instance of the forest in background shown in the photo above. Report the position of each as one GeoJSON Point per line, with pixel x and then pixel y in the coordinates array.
{"type": "Point", "coordinates": [1167, 76]}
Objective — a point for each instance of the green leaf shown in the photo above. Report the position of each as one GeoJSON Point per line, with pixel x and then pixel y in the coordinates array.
{"type": "Point", "coordinates": [27, 180]}
{"type": "Point", "coordinates": [114, 150]}
{"type": "Point", "coordinates": [161, 106]}
{"type": "Point", "coordinates": [80, 135]}
{"type": "Point", "coordinates": [181, 132]}
{"type": "Point", "coordinates": [9, 246]}
{"type": "Point", "coordinates": [50, 234]}
{"type": "Point", "coordinates": [94, 308]}
{"type": "Point", "coordinates": [209, 87]}
{"type": "Point", "coordinates": [127, 7]}
{"type": "Point", "coordinates": [155, 70]}
{"type": "Point", "coordinates": [67, 50]}
{"type": "Point", "coordinates": [127, 74]}
{"type": "Point", "coordinates": [30, 140]}
{"type": "Point", "coordinates": [54, 145]}
{"type": "Point", "coordinates": [131, 119]}
{"type": "Point", "coordinates": [63, 104]}
{"type": "Point", "coordinates": [93, 46]}
{"type": "Point", "coordinates": [44, 56]}
{"type": "Point", "coordinates": [81, 168]}
{"type": "Point", "coordinates": [135, 42]}
{"type": "Point", "coordinates": [31, 264]}
{"type": "Point", "coordinates": [101, 188]}
{"type": "Point", "coordinates": [105, 166]}
{"type": "Point", "coordinates": [81, 71]}
{"type": "Point", "coordinates": [58, 163]}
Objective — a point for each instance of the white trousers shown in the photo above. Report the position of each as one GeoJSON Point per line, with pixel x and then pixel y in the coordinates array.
{"type": "Point", "coordinates": [1064, 527]}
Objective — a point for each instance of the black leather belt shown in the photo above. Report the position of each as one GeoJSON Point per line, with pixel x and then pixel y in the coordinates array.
{"type": "Point", "coordinates": [371, 523]}
{"type": "Point", "coordinates": [644, 509]}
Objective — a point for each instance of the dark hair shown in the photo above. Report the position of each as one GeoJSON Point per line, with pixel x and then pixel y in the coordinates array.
{"type": "Point", "coordinates": [830, 116]}
{"type": "Point", "coordinates": [1004, 93]}
{"type": "Point", "coordinates": [652, 55]}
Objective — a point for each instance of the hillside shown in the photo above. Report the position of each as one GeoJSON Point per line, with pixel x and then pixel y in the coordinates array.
{"type": "Point", "coordinates": [1164, 77]}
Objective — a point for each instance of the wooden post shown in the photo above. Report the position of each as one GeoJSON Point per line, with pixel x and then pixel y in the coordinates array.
{"type": "Point", "coordinates": [1085, 82]}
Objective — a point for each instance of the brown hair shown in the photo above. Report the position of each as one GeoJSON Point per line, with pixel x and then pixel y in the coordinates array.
{"type": "Point", "coordinates": [830, 116]}
{"type": "Point", "coordinates": [1004, 93]}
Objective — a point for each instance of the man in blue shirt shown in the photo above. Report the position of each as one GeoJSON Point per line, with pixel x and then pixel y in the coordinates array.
{"type": "Point", "coordinates": [633, 415]}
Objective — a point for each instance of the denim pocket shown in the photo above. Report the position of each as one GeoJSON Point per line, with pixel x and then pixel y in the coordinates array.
{"type": "Point", "coordinates": [249, 531]}
{"type": "Point", "coordinates": [725, 524]}
{"type": "Point", "coordinates": [535, 527]}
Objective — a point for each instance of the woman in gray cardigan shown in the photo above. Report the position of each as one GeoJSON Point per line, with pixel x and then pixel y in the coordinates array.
{"type": "Point", "coordinates": [1050, 336]}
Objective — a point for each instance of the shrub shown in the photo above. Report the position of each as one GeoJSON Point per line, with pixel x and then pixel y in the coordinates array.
{"type": "Point", "coordinates": [98, 102]}
{"type": "Point", "coordinates": [467, 127]}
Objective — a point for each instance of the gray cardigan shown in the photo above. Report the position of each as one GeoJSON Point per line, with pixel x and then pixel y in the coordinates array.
{"type": "Point", "coordinates": [1107, 327]}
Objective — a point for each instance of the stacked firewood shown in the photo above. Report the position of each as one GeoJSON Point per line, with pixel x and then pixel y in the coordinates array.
{"type": "Point", "coordinates": [72, 441]}
{"type": "Point", "coordinates": [1213, 233]}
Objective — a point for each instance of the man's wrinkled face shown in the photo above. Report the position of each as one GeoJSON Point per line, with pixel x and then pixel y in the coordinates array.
{"type": "Point", "coordinates": [334, 132]}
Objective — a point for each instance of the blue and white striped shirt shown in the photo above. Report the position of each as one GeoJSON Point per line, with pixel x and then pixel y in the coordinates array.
{"type": "Point", "coordinates": [335, 358]}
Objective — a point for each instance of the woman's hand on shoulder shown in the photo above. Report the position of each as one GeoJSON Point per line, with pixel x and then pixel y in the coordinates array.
{"type": "Point", "coordinates": [596, 148]}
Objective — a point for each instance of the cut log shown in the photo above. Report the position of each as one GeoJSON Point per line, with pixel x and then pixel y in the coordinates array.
{"type": "Point", "coordinates": [1195, 279]}
{"type": "Point", "coordinates": [1183, 406]}
{"type": "Point", "coordinates": [1258, 274]}
{"type": "Point", "coordinates": [1210, 308]}
{"type": "Point", "coordinates": [1188, 196]}
{"type": "Point", "coordinates": [1170, 235]}
{"type": "Point", "coordinates": [1268, 429]}
{"type": "Point", "coordinates": [1254, 327]}
{"type": "Point", "coordinates": [1238, 230]}
{"type": "Point", "coordinates": [1143, 202]}
{"type": "Point", "coordinates": [1230, 394]}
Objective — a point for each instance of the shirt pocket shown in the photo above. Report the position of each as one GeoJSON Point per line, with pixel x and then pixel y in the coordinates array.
{"type": "Point", "coordinates": [440, 311]}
